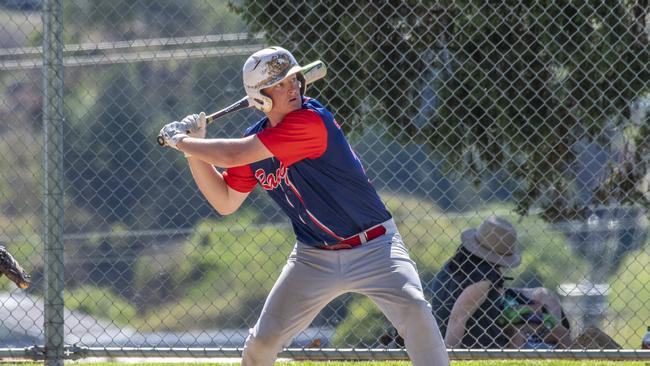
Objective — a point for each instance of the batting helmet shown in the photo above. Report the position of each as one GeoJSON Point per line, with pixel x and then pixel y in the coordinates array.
{"type": "Point", "coordinates": [266, 68]}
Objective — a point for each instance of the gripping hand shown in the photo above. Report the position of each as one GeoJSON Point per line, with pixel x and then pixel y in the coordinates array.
{"type": "Point", "coordinates": [10, 268]}
{"type": "Point", "coordinates": [195, 125]}
{"type": "Point", "coordinates": [173, 133]}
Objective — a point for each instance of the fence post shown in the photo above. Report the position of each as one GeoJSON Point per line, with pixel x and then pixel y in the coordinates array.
{"type": "Point", "coordinates": [53, 168]}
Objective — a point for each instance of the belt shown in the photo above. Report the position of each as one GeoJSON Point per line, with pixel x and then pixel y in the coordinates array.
{"type": "Point", "coordinates": [358, 239]}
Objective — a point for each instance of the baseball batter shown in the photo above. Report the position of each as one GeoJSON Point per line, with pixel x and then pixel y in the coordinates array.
{"type": "Point", "coordinates": [346, 239]}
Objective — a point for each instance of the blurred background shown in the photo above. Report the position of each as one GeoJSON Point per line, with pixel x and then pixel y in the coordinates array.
{"type": "Point", "coordinates": [533, 110]}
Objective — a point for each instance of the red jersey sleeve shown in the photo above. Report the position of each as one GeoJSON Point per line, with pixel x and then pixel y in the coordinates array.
{"type": "Point", "coordinates": [240, 178]}
{"type": "Point", "coordinates": [300, 135]}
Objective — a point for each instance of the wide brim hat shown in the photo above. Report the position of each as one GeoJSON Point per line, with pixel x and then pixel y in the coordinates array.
{"type": "Point", "coordinates": [495, 240]}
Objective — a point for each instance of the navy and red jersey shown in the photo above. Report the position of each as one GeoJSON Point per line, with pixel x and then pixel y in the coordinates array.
{"type": "Point", "coordinates": [314, 175]}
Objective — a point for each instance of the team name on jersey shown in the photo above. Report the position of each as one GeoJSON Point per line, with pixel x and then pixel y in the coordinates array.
{"type": "Point", "coordinates": [271, 181]}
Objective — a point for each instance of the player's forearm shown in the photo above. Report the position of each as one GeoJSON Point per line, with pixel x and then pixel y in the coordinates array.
{"type": "Point", "coordinates": [212, 185]}
{"type": "Point", "coordinates": [217, 152]}
{"type": "Point", "coordinates": [225, 153]}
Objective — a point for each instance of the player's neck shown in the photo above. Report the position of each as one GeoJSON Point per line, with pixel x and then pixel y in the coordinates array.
{"type": "Point", "coordinates": [275, 117]}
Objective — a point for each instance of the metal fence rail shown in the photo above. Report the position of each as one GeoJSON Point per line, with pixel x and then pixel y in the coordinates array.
{"type": "Point", "coordinates": [324, 354]}
{"type": "Point", "coordinates": [538, 112]}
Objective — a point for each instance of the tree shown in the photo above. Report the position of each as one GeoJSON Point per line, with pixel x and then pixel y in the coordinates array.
{"type": "Point", "coordinates": [519, 84]}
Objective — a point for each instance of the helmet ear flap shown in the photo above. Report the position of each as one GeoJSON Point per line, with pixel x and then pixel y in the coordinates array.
{"type": "Point", "coordinates": [263, 103]}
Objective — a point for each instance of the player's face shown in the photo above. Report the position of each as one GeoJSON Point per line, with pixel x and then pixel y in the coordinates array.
{"type": "Point", "coordinates": [285, 95]}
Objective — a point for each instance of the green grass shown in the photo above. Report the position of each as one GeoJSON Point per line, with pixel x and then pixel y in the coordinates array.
{"type": "Point", "coordinates": [480, 363]}
{"type": "Point", "coordinates": [395, 363]}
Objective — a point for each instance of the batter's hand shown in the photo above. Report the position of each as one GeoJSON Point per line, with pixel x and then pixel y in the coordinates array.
{"type": "Point", "coordinates": [195, 125]}
{"type": "Point", "coordinates": [10, 268]}
{"type": "Point", "coordinates": [173, 133]}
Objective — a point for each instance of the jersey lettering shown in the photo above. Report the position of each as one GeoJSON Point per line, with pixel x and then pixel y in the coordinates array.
{"type": "Point", "coordinates": [271, 181]}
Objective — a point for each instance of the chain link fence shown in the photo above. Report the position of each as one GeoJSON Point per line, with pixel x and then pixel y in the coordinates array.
{"type": "Point", "coordinates": [534, 111]}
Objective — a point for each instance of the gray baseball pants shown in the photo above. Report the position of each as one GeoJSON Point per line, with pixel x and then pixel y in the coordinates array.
{"type": "Point", "coordinates": [380, 269]}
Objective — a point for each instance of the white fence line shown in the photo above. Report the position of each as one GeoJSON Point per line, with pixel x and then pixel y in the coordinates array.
{"type": "Point", "coordinates": [326, 354]}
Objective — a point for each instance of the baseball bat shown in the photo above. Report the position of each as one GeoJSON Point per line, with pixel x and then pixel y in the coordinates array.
{"type": "Point", "coordinates": [311, 72]}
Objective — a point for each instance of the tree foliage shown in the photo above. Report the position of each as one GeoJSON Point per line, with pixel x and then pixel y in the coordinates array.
{"type": "Point", "coordinates": [519, 85]}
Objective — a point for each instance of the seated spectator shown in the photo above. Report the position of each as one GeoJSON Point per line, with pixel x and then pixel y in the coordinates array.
{"type": "Point", "coordinates": [474, 309]}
